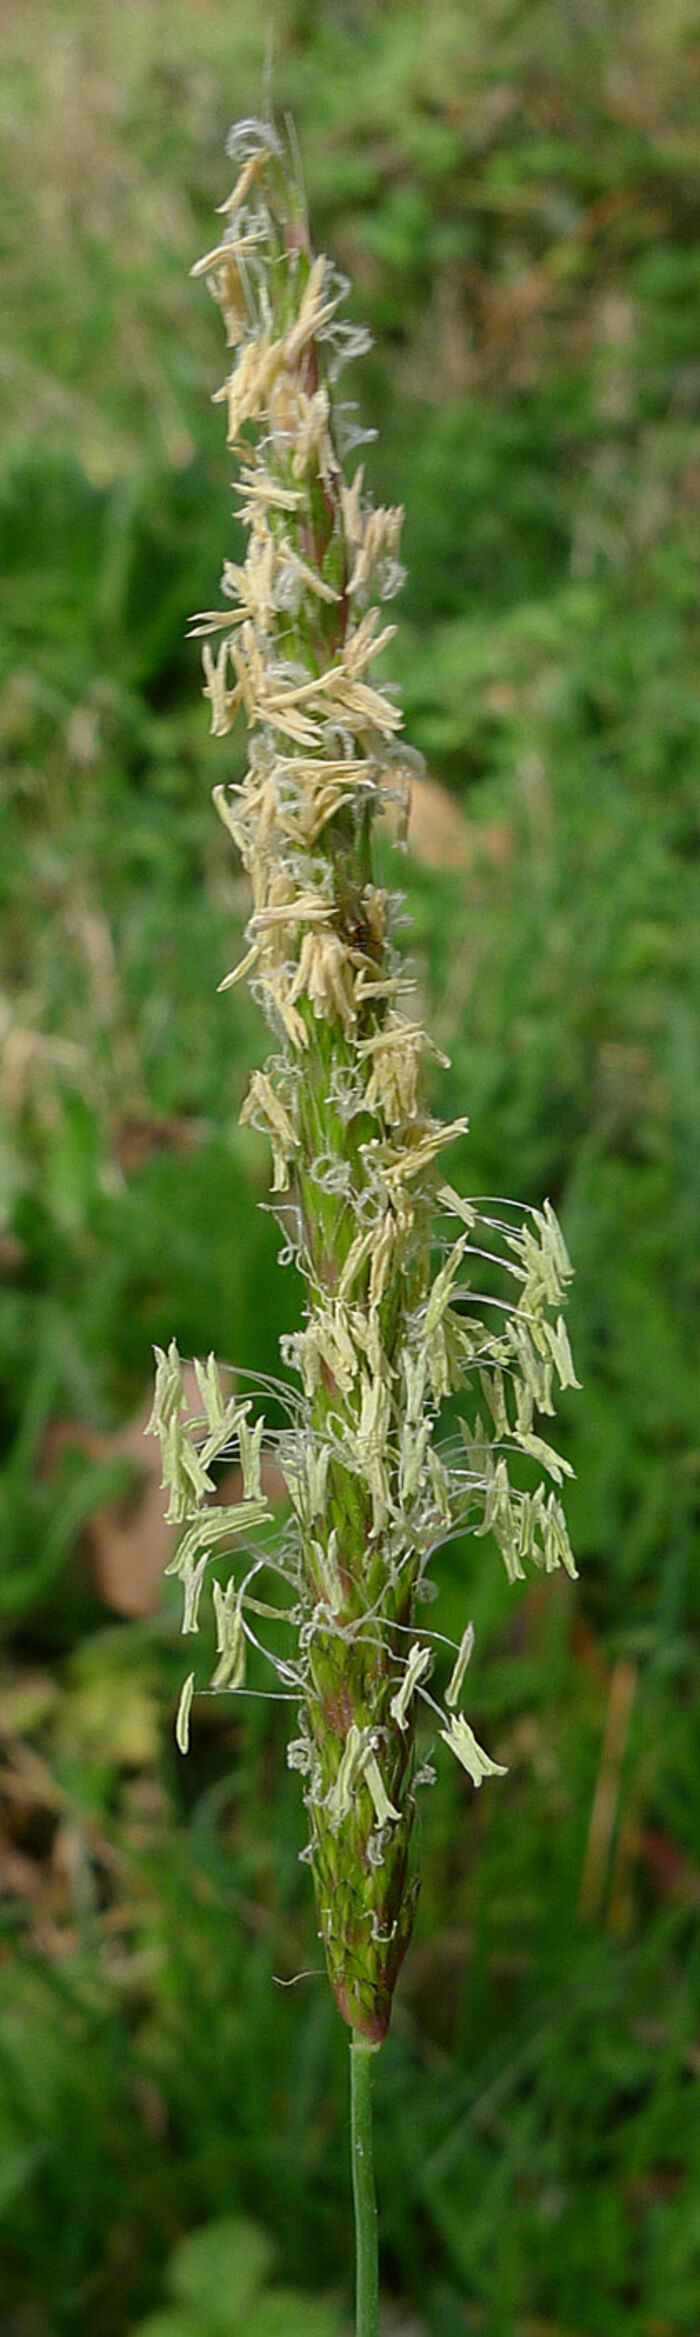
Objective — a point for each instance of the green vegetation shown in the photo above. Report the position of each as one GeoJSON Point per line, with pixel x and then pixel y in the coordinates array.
{"type": "Point", "coordinates": [218, 2281]}
{"type": "Point", "coordinates": [515, 194]}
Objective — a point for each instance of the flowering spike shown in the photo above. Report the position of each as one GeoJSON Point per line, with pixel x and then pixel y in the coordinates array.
{"type": "Point", "coordinates": [356, 1149]}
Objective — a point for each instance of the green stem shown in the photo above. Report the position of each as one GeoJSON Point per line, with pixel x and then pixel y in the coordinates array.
{"type": "Point", "coordinates": [363, 2191]}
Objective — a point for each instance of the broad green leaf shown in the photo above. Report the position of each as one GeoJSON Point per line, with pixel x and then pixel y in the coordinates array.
{"type": "Point", "coordinates": [285, 2312]}
{"type": "Point", "coordinates": [220, 2270]}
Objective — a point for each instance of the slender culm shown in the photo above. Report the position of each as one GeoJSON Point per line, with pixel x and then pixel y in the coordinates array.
{"type": "Point", "coordinates": [364, 2197]}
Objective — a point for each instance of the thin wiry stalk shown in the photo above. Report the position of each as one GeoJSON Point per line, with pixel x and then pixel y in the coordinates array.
{"type": "Point", "coordinates": [363, 2191]}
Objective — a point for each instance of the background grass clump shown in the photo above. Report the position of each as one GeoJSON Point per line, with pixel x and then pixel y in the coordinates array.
{"type": "Point", "coordinates": [516, 199]}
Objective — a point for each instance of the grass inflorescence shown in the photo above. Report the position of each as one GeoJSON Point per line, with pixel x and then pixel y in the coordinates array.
{"type": "Point", "coordinates": [391, 1258]}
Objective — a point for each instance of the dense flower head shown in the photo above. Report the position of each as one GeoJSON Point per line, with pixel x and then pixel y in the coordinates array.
{"type": "Point", "coordinates": [391, 1258]}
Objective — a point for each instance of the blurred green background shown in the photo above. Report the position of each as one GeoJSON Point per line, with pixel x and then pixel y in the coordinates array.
{"type": "Point", "coordinates": [515, 191]}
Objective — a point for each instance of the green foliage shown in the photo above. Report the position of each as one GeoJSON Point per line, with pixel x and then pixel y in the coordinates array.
{"type": "Point", "coordinates": [514, 196]}
{"type": "Point", "coordinates": [218, 2278]}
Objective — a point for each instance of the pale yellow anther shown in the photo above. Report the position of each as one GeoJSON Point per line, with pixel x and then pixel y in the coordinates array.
{"type": "Point", "coordinates": [325, 976]}
{"type": "Point", "coordinates": [462, 1742]}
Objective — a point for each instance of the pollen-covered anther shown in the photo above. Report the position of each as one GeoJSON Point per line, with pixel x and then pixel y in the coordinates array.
{"type": "Point", "coordinates": [395, 1078]}
{"type": "Point", "coordinates": [383, 1251]}
{"type": "Point", "coordinates": [418, 1154]}
{"type": "Point", "coordinates": [262, 1108]}
{"type": "Point", "coordinates": [327, 1342]}
{"type": "Point", "coordinates": [312, 438]}
{"type": "Point", "coordinates": [254, 168]}
{"type": "Point", "coordinates": [351, 505]}
{"type": "Point", "coordinates": [380, 541]}
{"type": "Point", "coordinates": [418, 1662]}
{"type": "Point", "coordinates": [463, 1657]}
{"type": "Point", "coordinates": [375, 902]}
{"type": "Point", "coordinates": [253, 584]}
{"type": "Point", "coordinates": [287, 909]}
{"type": "Point", "coordinates": [462, 1742]}
{"type": "Point", "coordinates": [314, 311]}
{"type": "Point", "coordinates": [358, 1765]}
{"type": "Point", "coordinates": [246, 392]}
{"type": "Point", "coordinates": [364, 643]}
{"type": "Point", "coordinates": [224, 702]}
{"type": "Point", "coordinates": [271, 984]}
{"type": "Point", "coordinates": [324, 975]}
{"type": "Point", "coordinates": [222, 253]}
